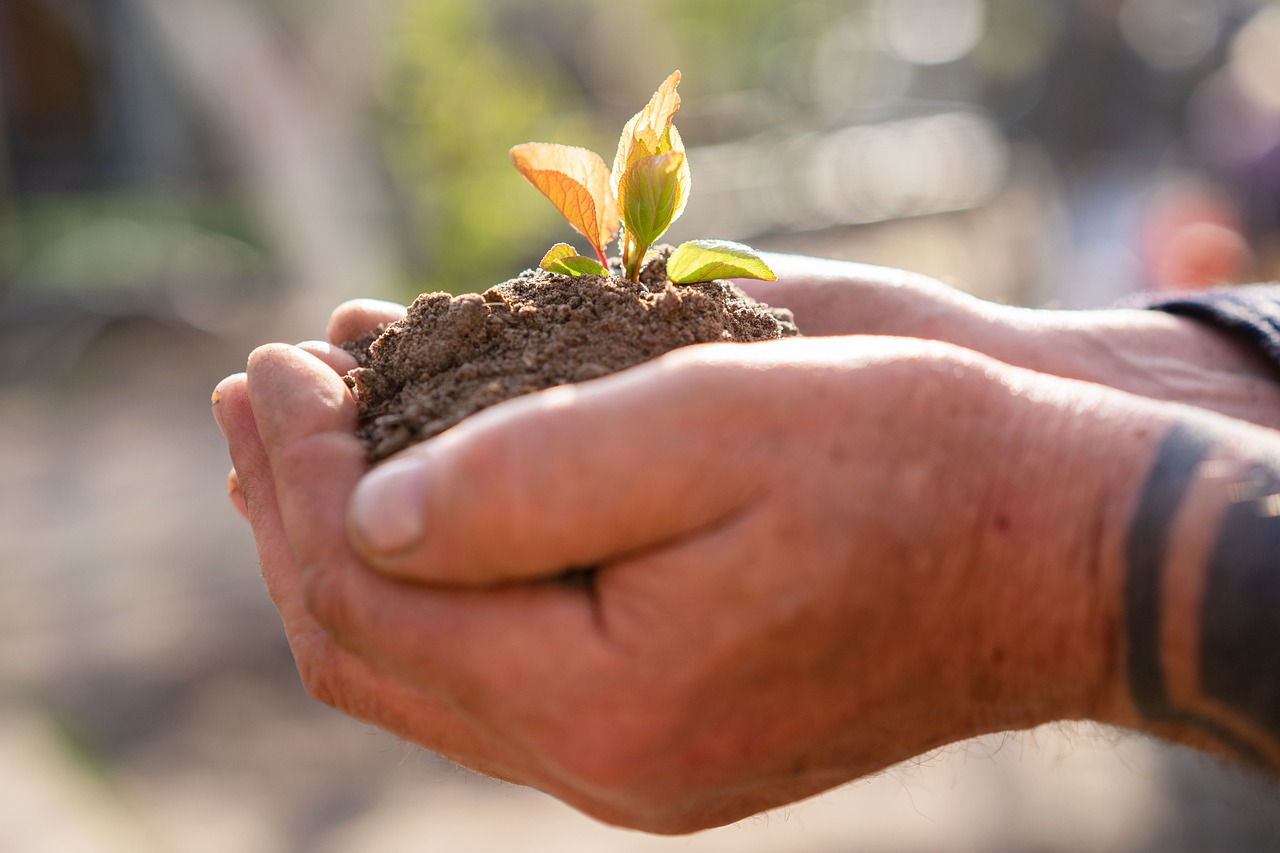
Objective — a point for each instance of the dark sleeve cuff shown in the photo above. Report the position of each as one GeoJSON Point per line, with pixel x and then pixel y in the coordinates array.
{"type": "Point", "coordinates": [1250, 313]}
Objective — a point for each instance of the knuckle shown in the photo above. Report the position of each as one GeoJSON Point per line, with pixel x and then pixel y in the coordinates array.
{"type": "Point", "coordinates": [632, 759]}
{"type": "Point", "coordinates": [324, 597]}
{"type": "Point", "coordinates": [332, 677]}
{"type": "Point", "coordinates": [662, 821]}
{"type": "Point", "coordinates": [315, 658]}
{"type": "Point", "coordinates": [614, 751]}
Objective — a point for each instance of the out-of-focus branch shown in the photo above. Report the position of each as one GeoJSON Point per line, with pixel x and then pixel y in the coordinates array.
{"type": "Point", "coordinates": [295, 115]}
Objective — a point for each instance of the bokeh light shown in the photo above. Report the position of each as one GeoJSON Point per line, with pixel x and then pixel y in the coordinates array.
{"type": "Point", "coordinates": [1255, 59]}
{"type": "Point", "coordinates": [931, 32]}
{"type": "Point", "coordinates": [1171, 34]}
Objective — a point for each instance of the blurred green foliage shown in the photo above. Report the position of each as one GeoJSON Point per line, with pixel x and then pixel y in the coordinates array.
{"type": "Point", "coordinates": [119, 241]}
{"type": "Point", "coordinates": [455, 103]}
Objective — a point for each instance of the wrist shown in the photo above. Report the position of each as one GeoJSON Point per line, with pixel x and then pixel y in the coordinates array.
{"type": "Point", "coordinates": [1139, 587]}
{"type": "Point", "coordinates": [1051, 546]}
{"type": "Point", "coordinates": [1199, 642]}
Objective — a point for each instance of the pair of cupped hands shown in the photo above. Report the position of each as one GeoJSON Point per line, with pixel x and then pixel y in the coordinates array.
{"type": "Point", "coordinates": [813, 558]}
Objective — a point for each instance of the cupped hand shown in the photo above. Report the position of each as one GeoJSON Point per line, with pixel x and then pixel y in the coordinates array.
{"type": "Point", "coordinates": [809, 560]}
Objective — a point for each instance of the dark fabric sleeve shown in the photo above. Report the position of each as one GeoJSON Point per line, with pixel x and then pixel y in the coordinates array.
{"type": "Point", "coordinates": [1250, 312]}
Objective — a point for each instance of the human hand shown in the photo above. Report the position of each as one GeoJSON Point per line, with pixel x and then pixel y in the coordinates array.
{"type": "Point", "coordinates": [1151, 353]}
{"type": "Point", "coordinates": [812, 559]}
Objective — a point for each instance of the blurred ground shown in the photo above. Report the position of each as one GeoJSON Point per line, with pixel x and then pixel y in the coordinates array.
{"type": "Point", "coordinates": [148, 701]}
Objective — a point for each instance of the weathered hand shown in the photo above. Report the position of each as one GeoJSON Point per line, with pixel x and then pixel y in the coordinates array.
{"type": "Point", "coordinates": [811, 559]}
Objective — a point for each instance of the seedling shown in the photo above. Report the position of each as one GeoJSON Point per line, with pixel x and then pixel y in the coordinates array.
{"type": "Point", "coordinates": [634, 203]}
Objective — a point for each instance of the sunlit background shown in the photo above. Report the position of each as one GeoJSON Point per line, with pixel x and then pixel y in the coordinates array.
{"type": "Point", "coordinates": [182, 179]}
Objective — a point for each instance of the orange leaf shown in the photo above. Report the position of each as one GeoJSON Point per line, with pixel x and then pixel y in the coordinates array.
{"type": "Point", "coordinates": [577, 182]}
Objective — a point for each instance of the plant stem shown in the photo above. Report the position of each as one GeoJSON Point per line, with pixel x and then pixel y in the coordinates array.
{"type": "Point", "coordinates": [637, 261]}
{"type": "Point", "coordinates": [629, 265]}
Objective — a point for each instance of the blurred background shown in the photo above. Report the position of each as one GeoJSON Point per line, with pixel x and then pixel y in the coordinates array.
{"type": "Point", "coordinates": [183, 179]}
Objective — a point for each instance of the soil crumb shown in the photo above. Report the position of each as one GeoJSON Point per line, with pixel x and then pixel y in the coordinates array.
{"type": "Point", "coordinates": [455, 355]}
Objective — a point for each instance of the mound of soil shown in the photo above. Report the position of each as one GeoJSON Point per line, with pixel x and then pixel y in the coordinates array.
{"type": "Point", "coordinates": [455, 355]}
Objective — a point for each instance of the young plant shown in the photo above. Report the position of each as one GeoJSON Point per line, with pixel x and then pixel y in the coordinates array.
{"type": "Point", "coordinates": [635, 202]}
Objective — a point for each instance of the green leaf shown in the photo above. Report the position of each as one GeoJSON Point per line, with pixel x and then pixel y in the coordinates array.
{"type": "Point", "coordinates": [558, 252]}
{"type": "Point", "coordinates": [707, 260]}
{"type": "Point", "coordinates": [565, 260]}
{"type": "Point", "coordinates": [652, 193]}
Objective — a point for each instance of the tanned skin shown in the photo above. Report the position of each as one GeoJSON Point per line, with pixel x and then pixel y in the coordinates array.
{"type": "Point", "coordinates": [817, 557]}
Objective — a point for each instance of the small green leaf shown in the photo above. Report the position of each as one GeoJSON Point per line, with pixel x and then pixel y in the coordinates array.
{"type": "Point", "coordinates": [651, 193]}
{"type": "Point", "coordinates": [565, 260]}
{"type": "Point", "coordinates": [706, 260]}
{"type": "Point", "coordinates": [558, 252]}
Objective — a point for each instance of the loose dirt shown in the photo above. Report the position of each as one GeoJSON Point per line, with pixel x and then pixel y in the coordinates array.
{"type": "Point", "coordinates": [453, 356]}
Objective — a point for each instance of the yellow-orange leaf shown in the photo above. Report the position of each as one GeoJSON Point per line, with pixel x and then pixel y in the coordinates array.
{"type": "Point", "coordinates": [646, 134]}
{"type": "Point", "coordinates": [656, 116]}
{"type": "Point", "coordinates": [577, 182]}
{"type": "Point", "coordinates": [683, 177]}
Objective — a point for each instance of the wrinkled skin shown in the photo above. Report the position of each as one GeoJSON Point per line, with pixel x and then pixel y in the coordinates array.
{"type": "Point", "coordinates": [815, 557]}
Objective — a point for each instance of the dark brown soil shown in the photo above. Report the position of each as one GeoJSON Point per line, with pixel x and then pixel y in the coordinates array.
{"type": "Point", "coordinates": [455, 355]}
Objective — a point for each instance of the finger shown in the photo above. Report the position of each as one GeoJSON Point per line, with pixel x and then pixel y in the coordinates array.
{"type": "Point", "coordinates": [235, 495]}
{"type": "Point", "coordinates": [306, 420]}
{"type": "Point", "coordinates": [567, 478]}
{"type": "Point", "coordinates": [233, 481]}
{"type": "Point", "coordinates": [357, 317]}
{"type": "Point", "coordinates": [331, 674]}
{"type": "Point", "coordinates": [257, 487]}
{"type": "Point", "coordinates": [331, 354]}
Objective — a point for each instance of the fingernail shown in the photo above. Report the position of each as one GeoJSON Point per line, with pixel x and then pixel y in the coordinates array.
{"type": "Point", "coordinates": [387, 508]}
{"type": "Point", "coordinates": [316, 348]}
{"type": "Point", "coordinates": [217, 411]}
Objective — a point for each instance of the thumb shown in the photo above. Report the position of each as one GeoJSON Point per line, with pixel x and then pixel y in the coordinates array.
{"type": "Point", "coordinates": [567, 478]}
